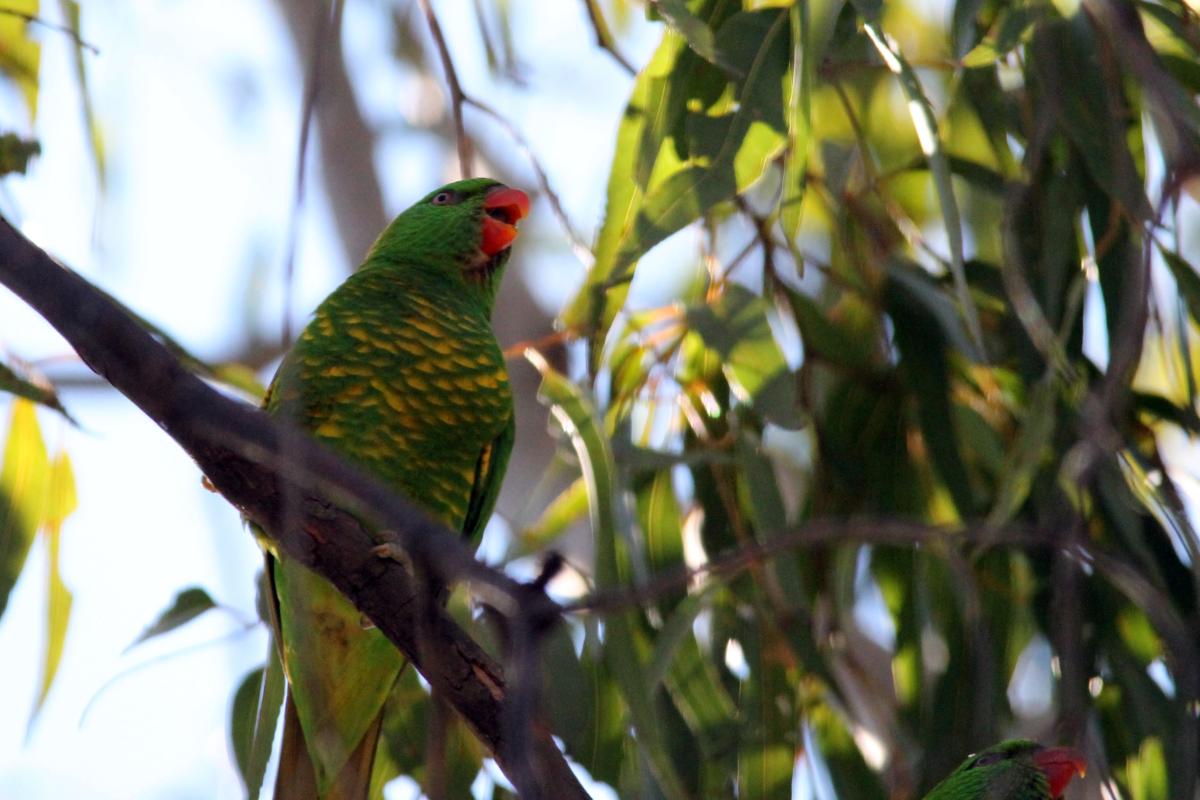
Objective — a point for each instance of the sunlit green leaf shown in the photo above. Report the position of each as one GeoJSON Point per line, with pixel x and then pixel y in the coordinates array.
{"type": "Point", "coordinates": [1146, 773]}
{"type": "Point", "coordinates": [926, 124]}
{"type": "Point", "coordinates": [811, 28]}
{"type": "Point", "coordinates": [735, 326]}
{"type": "Point", "coordinates": [24, 493]}
{"type": "Point", "coordinates": [20, 56]}
{"type": "Point", "coordinates": [566, 509]}
{"type": "Point", "coordinates": [727, 146]}
{"type": "Point", "coordinates": [661, 521]}
{"type": "Point", "coordinates": [61, 503]}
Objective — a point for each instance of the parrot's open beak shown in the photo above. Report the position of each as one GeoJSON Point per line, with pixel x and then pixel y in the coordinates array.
{"type": "Point", "coordinates": [503, 209]}
{"type": "Point", "coordinates": [1061, 765]}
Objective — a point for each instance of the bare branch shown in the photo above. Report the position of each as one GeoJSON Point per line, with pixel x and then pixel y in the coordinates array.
{"type": "Point", "coordinates": [578, 245]}
{"type": "Point", "coordinates": [456, 93]}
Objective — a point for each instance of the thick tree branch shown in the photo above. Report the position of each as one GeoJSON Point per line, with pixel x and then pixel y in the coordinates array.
{"type": "Point", "coordinates": [273, 473]}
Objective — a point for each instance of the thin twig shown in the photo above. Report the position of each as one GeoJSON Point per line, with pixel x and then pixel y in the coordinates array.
{"type": "Point", "coordinates": [327, 24]}
{"type": "Point", "coordinates": [604, 37]}
{"type": "Point", "coordinates": [457, 97]}
{"type": "Point", "coordinates": [33, 19]}
{"type": "Point", "coordinates": [555, 339]}
{"type": "Point", "coordinates": [754, 552]}
{"type": "Point", "coordinates": [578, 245]}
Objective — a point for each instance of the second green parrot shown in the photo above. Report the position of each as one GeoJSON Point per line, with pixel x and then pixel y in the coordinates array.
{"type": "Point", "coordinates": [399, 371]}
{"type": "Point", "coordinates": [1017, 769]}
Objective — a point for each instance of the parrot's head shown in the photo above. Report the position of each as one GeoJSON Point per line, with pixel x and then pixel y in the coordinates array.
{"type": "Point", "coordinates": [460, 233]}
{"type": "Point", "coordinates": [1014, 770]}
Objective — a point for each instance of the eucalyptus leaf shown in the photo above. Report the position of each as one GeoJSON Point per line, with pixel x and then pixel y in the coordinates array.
{"type": "Point", "coordinates": [187, 605]}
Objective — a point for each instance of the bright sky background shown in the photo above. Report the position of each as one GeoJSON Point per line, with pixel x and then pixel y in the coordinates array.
{"type": "Point", "coordinates": [199, 104]}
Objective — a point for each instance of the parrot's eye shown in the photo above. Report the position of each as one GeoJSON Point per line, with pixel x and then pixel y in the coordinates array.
{"type": "Point", "coordinates": [444, 199]}
{"type": "Point", "coordinates": [988, 758]}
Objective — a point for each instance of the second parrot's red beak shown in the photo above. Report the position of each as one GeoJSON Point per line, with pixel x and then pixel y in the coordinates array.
{"type": "Point", "coordinates": [1061, 765]}
{"type": "Point", "coordinates": [503, 208]}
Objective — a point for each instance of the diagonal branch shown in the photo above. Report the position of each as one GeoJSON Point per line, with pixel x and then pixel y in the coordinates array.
{"type": "Point", "coordinates": [273, 472]}
{"type": "Point", "coordinates": [465, 164]}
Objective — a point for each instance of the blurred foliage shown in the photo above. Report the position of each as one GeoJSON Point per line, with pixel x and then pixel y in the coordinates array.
{"type": "Point", "coordinates": [900, 226]}
{"type": "Point", "coordinates": [37, 494]}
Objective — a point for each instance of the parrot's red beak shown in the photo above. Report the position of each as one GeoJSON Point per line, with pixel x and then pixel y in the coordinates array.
{"type": "Point", "coordinates": [1061, 765]}
{"type": "Point", "coordinates": [503, 208]}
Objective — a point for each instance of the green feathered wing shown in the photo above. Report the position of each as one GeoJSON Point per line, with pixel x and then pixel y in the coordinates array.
{"type": "Point", "coordinates": [399, 371]}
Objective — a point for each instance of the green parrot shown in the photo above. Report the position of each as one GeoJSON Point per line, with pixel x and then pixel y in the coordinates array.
{"type": "Point", "coordinates": [1014, 770]}
{"type": "Point", "coordinates": [400, 371]}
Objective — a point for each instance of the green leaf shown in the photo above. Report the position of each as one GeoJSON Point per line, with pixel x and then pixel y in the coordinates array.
{"type": "Point", "coordinates": [70, 13]}
{"type": "Point", "coordinates": [811, 26]}
{"type": "Point", "coordinates": [1026, 457]}
{"type": "Point", "coordinates": [1010, 30]}
{"type": "Point", "coordinates": [926, 126]}
{"type": "Point", "coordinates": [13, 383]}
{"type": "Point", "coordinates": [252, 720]}
{"type": "Point", "coordinates": [407, 719]}
{"type": "Point", "coordinates": [1068, 67]}
{"type": "Point", "coordinates": [720, 149]}
{"type": "Point", "coordinates": [61, 503]}
{"type": "Point", "coordinates": [735, 326]}
{"type": "Point", "coordinates": [695, 32]}
{"type": "Point", "coordinates": [24, 487]}
{"type": "Point", "coordinates": [825, 339]}
{"type": "Point", "coordinates": [1186, 280]}
{"type": "Point", "coordinates": [15, 153]}
{"type": "Point", "coordinates": [563, 511]}
{"type": "Point", "coordinates": [924, 324]}
{"type": "Point", "coordinates": [597, 299]}
{"type": "Point", "coordinates": [575, 413]}
{"type": "Point", "coordinates": [661, 521]}
{"type": "Point", "coordinates": [188, 604]}
{"type": "Point", "coordinates": [729, 150]}
{"type": "Point", "coordinates": [20, 56]}
{"type": "Point", "coordinates": [695, 686]}
{"type": "Point", "coordinates": [1146, 773]}
{"type": "Point", "coordinates": [978, 175]}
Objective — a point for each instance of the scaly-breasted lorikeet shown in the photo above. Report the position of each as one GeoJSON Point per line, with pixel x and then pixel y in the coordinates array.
{"type": "Point", "coordinates": [399, 370]}
{"type": "Point", "coordinates": [1014, 770]}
